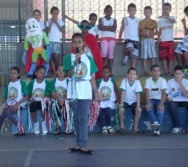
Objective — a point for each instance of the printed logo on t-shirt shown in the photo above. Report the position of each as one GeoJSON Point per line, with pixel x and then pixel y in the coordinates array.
{"type": "Point", "coordinates": [61, 92]}
{"type": "Point", "coordinates": [12, 94]}
{"type": "Point", "coordinates": [105, 93]}
{"type": "Point", "coordinates": [38, 93]}
{"type": "Point", "coordinates": [155, 91]}
{"type": "Point", "coordinates": [81, 70]}
{"type": "Point", "coordinates": [86, 49]}
{"type": "Point", "coordinates": [177, 93]}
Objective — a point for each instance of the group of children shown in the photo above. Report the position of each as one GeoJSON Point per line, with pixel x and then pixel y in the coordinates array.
{"type": "Point", "coordinates": [81, 70]}
{"type": "Point", "coordinates": [78, 87]}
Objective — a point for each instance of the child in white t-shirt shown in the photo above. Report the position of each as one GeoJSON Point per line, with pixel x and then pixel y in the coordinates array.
{"type": "Point", "coordinates": [55, 27]}
{"type": "Point", "coordinates": [37, 16]}
{"type": "Point", "coordinates": [130, 98]}
{"type": "Point", "coordinates": [166, 40]}
{"type": "Point", "coordinates": [60, 105]}
{"type": "Point", "coordinates": [93, 19]}
{"type": "Point", "coordinates": [108, 26]}
{"type": "Point", "coordinates": [155, 87]}
{"type": "Point", "coordinates": [15, 97]}
{"type": "Point", "coordinates": [129, 26]}
{"type": "Point", "coordinates": [38, 90]}
{"type": "Point", "coordinates": [177, 91]}
{"type": "Point", "coordinates": [109, 93]}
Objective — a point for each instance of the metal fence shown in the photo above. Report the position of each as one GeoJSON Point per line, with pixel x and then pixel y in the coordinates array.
{"type": "Point", "coordinates": [14, 13]}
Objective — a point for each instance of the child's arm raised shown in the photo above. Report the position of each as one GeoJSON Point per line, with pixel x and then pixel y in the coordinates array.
{"type": "Point", "coordinates": [59, 27]}
{"type": "Point", "coordinates": [185, 92]}
{"type": "Point", "coordinates": [121, 31]}
{"type": "Point", "coordinates": [72, 20]}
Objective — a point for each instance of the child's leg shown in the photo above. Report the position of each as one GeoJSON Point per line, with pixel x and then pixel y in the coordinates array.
{"type": "Point", "coordinates": [185, 105]}
{"type": "Point", "coordinates": [152, 61]}
{"type": "Point", "coordinates": [171, 56]}
{"type": "Point", "coordinates": [133, 62]}
{"type": "Point", "coordinates": [159, 114]}
{"type": "Point", "coordinates": [165, 66]}
{"type": "Point", "coordinates": [52, 64]}
{"type": "Point", "coordinates": [186, 58]}
{"type": "Point", "coordinates": [107, 112]}
{"type": "Point", "coordinates": [173, 106]}
{"type": "Point", "coordinates": [144, 61]}
{"type": "Point", "coordinates": [122, 118]}
{"type": "Point", "coordinates": [101, 117]}
{"type": "Point", "coordinates": [104, 49]}
{"type": "Point", "coordinates": [151, 112]}
{"type": "Point", "coordinates": [8, 112]}
{"type": "Point", "coordinates": [170, 65]}
{"type": "Point", "coordinates": [34, 106]}
{"type": "Point", "coordinates": [179, 59]}
{"type": "Point", "coordinates": [55, 59]}
{"type": "Point", "coordinates": [137, 116]}
{"type": "Point", "coordinates": [111, 47]}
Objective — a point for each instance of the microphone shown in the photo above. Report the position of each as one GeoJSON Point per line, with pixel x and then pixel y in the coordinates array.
{"type": "Point", "coordinates": [79, 60]}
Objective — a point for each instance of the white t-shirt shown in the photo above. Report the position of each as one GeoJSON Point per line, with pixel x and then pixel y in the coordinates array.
{"type": "Point", "coordinates": [166, 29]}
{"type": "Point", "coordinates": [42, 25]}
{"type": "Point", "coordinates": [174, 91]}
{"type": "Point", "coordinates": [94, 30]}
{"type": "Point", "coordinates": [131, 28]}
{"type": "Point", "coordinates": [130, 90]}
{"type": "Point", "coordinates": [155, 87]}
{"type": "Point", "coordinates": [54, 34]}
{"type": "Point", "coordinates": [83, 76]}
{"type": "Point", "coordinates": [38, 91]}
{"type": "Point", "coordinates": [15, 93]}
{"type": "Point", "coordinates": [109, 22]}
{"type": "Point", "coordinates": [107, 93]}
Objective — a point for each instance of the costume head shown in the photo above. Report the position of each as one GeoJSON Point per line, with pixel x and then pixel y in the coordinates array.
{"type": "Point", "coordinates": [32, 27]}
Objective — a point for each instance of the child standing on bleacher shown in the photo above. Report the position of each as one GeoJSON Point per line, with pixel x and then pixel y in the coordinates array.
{"type": "Point", "coordinates": [58, 88]}
{"type": "Point", "coordinates": [166, 39]}
{"type": "Point", "coordinates": [37, 16]}
{"type": "Point", "coordinates": [38, 90]}
{"type": "Point", "coordinates": [148, 29]}
{"type": "Point", "coordinates": [129, 26]}
{"type": "Point", "coordinates": [55, 27]}
{"type": "Point", "coordinates": [177, 91]}
{"type": "Point", "coordinates": [109, 93]}
{"type": "Point", "coordinates": [15, 98]}
{"type": "Point", "coordinates": [108, 26]}
{"type": "Point", "coordinates": [130, 98]}
{"type": "Point", "coordinates": [155, 87]}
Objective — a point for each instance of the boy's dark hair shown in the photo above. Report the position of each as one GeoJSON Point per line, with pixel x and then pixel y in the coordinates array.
{"type": "Point", "coordinates": [107, 6]}
{"type": "Point", "coordinates": [167, 4]}
{"type": "Point", "coordinates": [131, 5]}
{"type": "Point", "coordinates": [84, 21]}
{"type": "Point", "coordinates": [178, 67]}
{"type": "Point", "coordinates": [148, 7]}
{"type": "Point", "coordinates": [107, 67]}
{"type": "Point", "coordinates": [53, 8]}
{"type": "Point", "coordinates": [132, 69]}
{"type": "Point", "coordinates": [92, 15]}
{"type": "Point", "coordinates": [154, 66]}
{"type": "Point", "coordinates": [77, 35]}
{"type": "Point", "coordinates": [16, 69]}
{"type": "Point", "coordinates": [37, 69]}
{"type": "Point", "coordinates": [36, 10]}
{"type": "Point", "coordinates": [186, 9]}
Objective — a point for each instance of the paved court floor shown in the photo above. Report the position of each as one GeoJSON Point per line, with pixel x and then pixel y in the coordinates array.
{"type": "Point", "coordinates": [128, 150]}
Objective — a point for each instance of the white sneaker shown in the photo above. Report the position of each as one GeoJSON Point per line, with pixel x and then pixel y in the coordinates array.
{"type": "Point", "coordinates": [154, 125]}
{"type": "Point", "coordinates": [110, 129]}
{"type": "Point", "coordinates": [125, 59]}
{"type": "Point", "coordinates": [175, 130]}
{"type": "Point", "coordinates": [156, 132]}
{"type": "Point", "coordinates": [44, 128]}
{"type": "Point", "coordinates": [36, 128]}
{"type": "Point", "coordinates": [104, 130]}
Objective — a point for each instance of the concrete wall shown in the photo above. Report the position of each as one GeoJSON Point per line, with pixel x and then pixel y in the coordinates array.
{"type": "Point", "coordinates": [118, 68]}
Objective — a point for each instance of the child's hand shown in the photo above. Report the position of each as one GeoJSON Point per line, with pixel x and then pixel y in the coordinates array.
{"type": "Point", "coordinates": [169, 99]}
{"type": "Point", "coordinates": [148, 106]}
{"type": "Point", "coordinates": [15, 106]}
{"type": "Point", "coordinates": [4, 107]}
{"type": "Point", "coordinates": [161, 107]}
{"type": "Point", "coordinates": [119, 41]}
{"type": "Point", "coordinates": [138, 109]}
{"type": "Point", "coordinates": [121, 109]}
{"type": "Point", "coordinates": [54, 20]}
{"type": "Point", "coordinates": [97, 95]}
{"type": "Point", "coordinates": [183, 21]}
